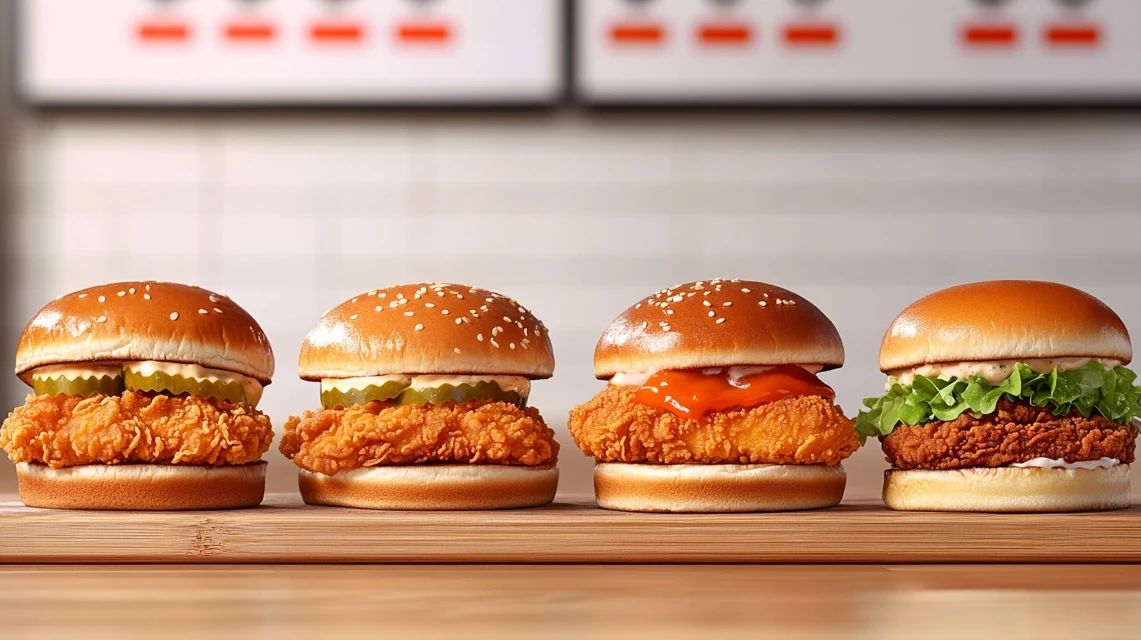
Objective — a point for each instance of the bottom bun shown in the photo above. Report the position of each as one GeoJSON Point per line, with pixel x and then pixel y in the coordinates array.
{"type": "Point", "coordinates": [1008, 489]}
{"type": "Point", "coordinates": [142, 487]}
{"type": "Point", "coordinates": [432, 487]}
{"type": "Point", "coordinates": [717, 488]}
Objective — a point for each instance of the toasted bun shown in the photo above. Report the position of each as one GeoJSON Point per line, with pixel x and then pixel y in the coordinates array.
{"type": "Point", "coordinates": [1004, 320]}
{"type": "Point", "coordinates": [145, 321]}
{"type": "Point", "coordinates": [717, 488]}
{"type": "Point", "coordinates": [142, 487]}
{"type": "Point", "coordinates": [718, 323]}
{"type": "Point", "coordinates": [432, 487]}
{"type": "Point", "coordinates": [1008, 489]}
{"type": "Point", "coordinates": [425, 329]}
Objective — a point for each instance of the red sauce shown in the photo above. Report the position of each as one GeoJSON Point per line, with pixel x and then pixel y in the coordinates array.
{"type": "Point", "coordinates": [691, 394]}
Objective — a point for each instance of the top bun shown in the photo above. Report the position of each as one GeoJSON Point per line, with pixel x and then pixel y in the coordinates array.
{"type": "Point", "coordinates": [718, 323]}
{"type": "Point", "coordinates": [1003, 320]}
{"type": "Point", "coordinates": [159, 321]}
{"type": "Point", "coordinates": [426, 329]}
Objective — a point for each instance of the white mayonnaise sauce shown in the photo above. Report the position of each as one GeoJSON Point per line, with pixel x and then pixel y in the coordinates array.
{"type": "Point", "coordinates": [1051, 463]}
{"type": "Point", "coordinates": [639, 378]}
{"type": "Point", "coordinates": [518, 384]}
{"type": "Point", "coordinates": [75, 371]}
{"type": "Point", "coordinates": [251, 387]}
{"type": "Point", "coordinates": [993, 372]}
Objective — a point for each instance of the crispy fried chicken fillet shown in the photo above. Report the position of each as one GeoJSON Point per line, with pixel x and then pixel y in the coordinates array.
{"type": "Point", "coordinates": [1015, 432]}
{"type": "Point", "coordinates": [153, 428]}
{"type": "Point", "coordinates": [614, 427]}
{"type": "Point", "coordinates": [331, 440]}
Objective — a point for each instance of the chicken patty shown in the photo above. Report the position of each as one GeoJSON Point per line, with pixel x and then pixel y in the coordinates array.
{"type": "Point", "coordinates": [1015, 432]}
{"type": "Point", "coordinates": [62, 431]}
{"type": "Point", "coordinates": [614, 427]}
{"type": "Point", "coordinates": [331, 440]}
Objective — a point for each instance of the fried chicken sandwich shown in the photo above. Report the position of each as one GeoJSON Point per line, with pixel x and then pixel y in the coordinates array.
{"type": "Point", "coordinates": [1006, 396]}
{"type": "Point", "coordinates": [424, 393]}
{"type": "Point", "coordinates": [713, 403]}
{"type": "Point", "coordinates": [144, 397]}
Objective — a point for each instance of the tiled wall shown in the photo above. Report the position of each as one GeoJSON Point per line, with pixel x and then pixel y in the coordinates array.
{"type": "Point", "coordinates": [575, 214]}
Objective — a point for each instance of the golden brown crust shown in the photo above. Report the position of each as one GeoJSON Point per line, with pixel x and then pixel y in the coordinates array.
{"type": "Point", "coordinates": [163, 321]}
{"type": "Point", "coordinates": [614, 427]}
{"type": "Point", "coordinates": [718, 323]}
{"type": "Point", "coordinates": [331, 440]}
{"type": "Point", "coordinates": [147, 487]}
{"type": "Point", "coordinates": [134, 427]}
{"type": "Point", "coordinates": [1004, 320]}
{"type": "Point", "coordinates": [427, 328]}
{"type": "Point", "coordinates": [1015, 432]}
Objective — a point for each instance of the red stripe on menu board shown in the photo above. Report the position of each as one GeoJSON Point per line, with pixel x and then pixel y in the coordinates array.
{"type": "Point", "coordinates": [637, 34]}
{"type": "Point", "coordinates": [723, 34]}
{"type": "Point", "coordinates": [818, 35]}
{"type": "Point", "coordinates": [250, 32]}
{"type": "Point", "coordinates": [1073, 35]}
{"type": "Point", "coordinates": [429, 33]}
{"type": "Point", "coordinates": [336, 32]}
{"type": "Point", "coordinates": [163, 32]}
{"type": "Point", "coordinates": [989, 35]}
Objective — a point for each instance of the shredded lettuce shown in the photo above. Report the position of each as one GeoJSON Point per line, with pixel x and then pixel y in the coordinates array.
{"type": "Point", "coordinates": [1090, 388]}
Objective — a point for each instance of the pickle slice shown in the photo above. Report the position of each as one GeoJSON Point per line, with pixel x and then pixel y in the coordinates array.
{"type": "Point", "coordinates": [338, 398]}
{"type": "Point", "coordinates": [176, 385]}
{"type": "Point", "coordinates": [485, 390]}
{"type": "Point", "coordinates": [82, 387]}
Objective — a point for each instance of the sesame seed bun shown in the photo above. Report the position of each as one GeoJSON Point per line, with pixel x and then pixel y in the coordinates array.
{"type": "Point", "coordinates": [718, 323]}
{"type": "Point", "coordinates": [434, 487]}
{"type": "Point", "coordinates": [427, 329]}
{"type": "Point", "coordinates": [142, 487]}
{"type": "Point", "coordinates": [1008, 489]}
{"type": "Point", "coordinates": [1004, 320]}
{"type": "Point", "coordinates": [161, 321]}
{"type": "Point", "coordinates": [717, 488]}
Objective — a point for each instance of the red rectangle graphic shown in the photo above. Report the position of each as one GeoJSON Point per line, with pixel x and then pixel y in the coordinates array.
{"type": "Point", "coordinates": [163, 32]}
{"type": "Point", "coordinates": [725, 34]}
{"type": "Point", "coordinates": [637, 34]}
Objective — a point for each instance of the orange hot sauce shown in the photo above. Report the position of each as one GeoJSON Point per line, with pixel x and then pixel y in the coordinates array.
{"type": "Point", "coordinates": [691, 394]}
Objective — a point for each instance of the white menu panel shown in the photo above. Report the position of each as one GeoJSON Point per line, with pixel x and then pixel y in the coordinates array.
{"type": "Point", "coordinates": [682, 51]}
{"type": "Point", "coordinates": [290, 51]}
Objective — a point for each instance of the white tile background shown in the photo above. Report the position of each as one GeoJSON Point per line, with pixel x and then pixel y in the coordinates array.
{"type": "Point", "coordinates": [576, 214]}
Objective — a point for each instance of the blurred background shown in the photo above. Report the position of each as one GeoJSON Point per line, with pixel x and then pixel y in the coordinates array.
{"type": "Point", "coordinates": [574, 155]}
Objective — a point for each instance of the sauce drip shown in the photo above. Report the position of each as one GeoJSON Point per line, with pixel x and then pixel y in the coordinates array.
{"type": "Point", "coordinates": [691, 394]}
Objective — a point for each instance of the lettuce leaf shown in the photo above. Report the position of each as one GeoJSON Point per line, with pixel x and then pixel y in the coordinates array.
{"type": "Point", "coordinates": [1110, 392]}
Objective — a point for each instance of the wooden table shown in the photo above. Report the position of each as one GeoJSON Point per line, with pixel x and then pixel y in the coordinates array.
{"type": "Point", "coordinates": [571, 601]}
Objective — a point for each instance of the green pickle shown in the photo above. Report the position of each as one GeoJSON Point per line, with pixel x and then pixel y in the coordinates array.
{"type": "Point", "coordinates": [176, 385]}
{"type": "Point", "coordinates": [338, 399]}
{"type": "Point", "coordinates": [486, 391]}
{"type": "Point", "coordinates": [82, 387]}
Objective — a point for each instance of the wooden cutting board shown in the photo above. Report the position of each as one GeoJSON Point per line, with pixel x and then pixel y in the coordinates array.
{"type": "Point", "coordinates": [285, 530]}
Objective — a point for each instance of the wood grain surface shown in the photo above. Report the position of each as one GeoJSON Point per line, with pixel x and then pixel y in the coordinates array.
{"type": "Point", "coordinates": [571, 601]}
{"type": "Point", "coordinates": [284, 530]}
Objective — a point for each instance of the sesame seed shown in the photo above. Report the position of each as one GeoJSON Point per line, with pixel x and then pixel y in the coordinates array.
{"type": "Point", "coordinates": [382, 295]}
{"type": "Point", "coordinates": [457, 350]}
{"type": "Point", "coordinates": [512, 345]}
{"type": "Point", "coordinates": [409, 313]}
{"type": "Point", "coordinates": [419, 327]}
{"type": "Point", "coordinates": [727, 304]}
{"type": "Point", "coordinates": [82, 296]}
{"type": "Point", "coordinates": [121, 294]}
{"type": "Point", "coordinates": [669, 312]}
{"type": "Point", "coordinates": [638, 306]}
{"type": "Point", "coordinates": [379, 308]}
{"type": "Point", "coordinates": [203, 311]}
{"type": "Point", "coordinates": [744, 290]}
{"type": "Point", "coordinates": [430, 305]}
{"type": "Point", "coordinates": [720, 320]}
{"type": "Point", "coordinates": [102, 298]}
{"type": "Point", "coordinates": [146, 296]}
{"type": "Point", "coordinates": [763, 303]}
{"type": "Point", "coordinates": [444, 311]}
{"type": "Point", "coordinates": [706, 303]}
{"type": "Point", "coordinates": [494, 343]}
{"type": "Point", "coordinates": [400, 295]}
{"type": "Point", "coordinates": [354, 299]}
{"type": "Point", "coordinates": [507, 319]}
{"type": "Point", "coordinates": [479, 336]}
{"type": "Point", "coordinates": [353, 317]}
{"type": "Point", "coordinates": [174, 316]}
{"type": "Point", "coordinates": [101, 319]}
{"type": "Point", "coordinates": [131, 290]}
{"type": "Point", "coordinates": [466, 320]}
{"type": "Point", "coordinates": [711, 314]}
{"type": "Point", "coordinates": [459, 320]}
{"type": "Point", "coordinates": [394, 304]}
{"type": "Point", "coordinates": [217, 310]}
{"type": "Point", "coordinates": [148, 287]}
